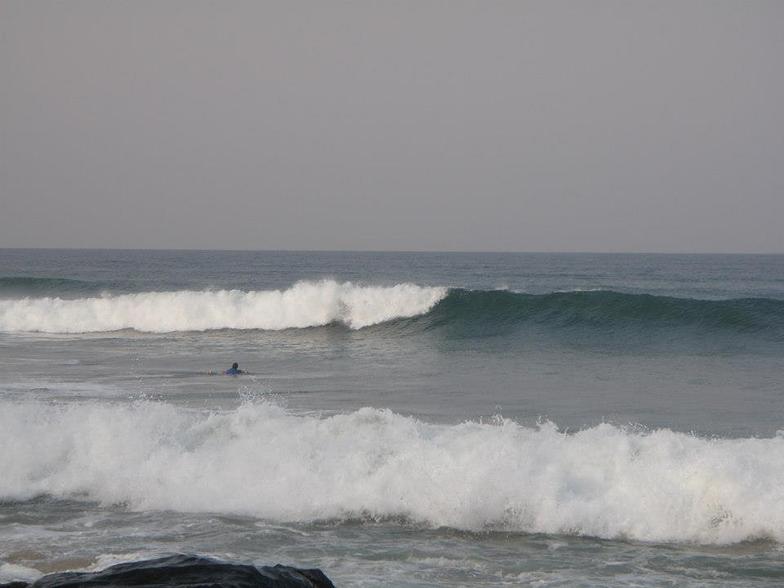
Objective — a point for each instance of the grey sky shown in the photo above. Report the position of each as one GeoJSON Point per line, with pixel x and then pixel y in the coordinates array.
{"type": "Point", "coordinates": [449, 125]}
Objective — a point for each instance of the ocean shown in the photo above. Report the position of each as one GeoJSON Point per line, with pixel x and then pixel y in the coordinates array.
{"type": "Point", "coordinates": [406, 419]}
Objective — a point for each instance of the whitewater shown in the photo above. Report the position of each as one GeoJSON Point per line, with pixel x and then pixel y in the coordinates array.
{"type": "Point", "coordinates": [260, 460]}
{"type": "Point", "coordinates": [305, 304]}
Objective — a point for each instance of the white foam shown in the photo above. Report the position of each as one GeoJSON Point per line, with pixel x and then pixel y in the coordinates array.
{"type": "Point", "coordinates": [17, 573]}
{"type": "Point", "coordinates": [305, 304]}
{"type": "Point", "coordinates": [263, 461]}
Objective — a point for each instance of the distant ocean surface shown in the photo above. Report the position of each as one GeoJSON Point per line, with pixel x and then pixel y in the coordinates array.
{"type": "Point", "coordinates": [407, 419]}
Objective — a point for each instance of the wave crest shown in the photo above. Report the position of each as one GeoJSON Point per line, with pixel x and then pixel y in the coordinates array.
{"type": "Point", "coordinates": [305, 304]}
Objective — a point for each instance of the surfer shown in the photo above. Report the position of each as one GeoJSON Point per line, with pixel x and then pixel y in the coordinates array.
{"type": "Point", "coordinates": [234, 370]}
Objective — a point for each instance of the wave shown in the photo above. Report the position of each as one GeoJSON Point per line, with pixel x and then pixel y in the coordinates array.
{"type": "Point", "coordinates": [34, 286]}
{"type": "Point", "coordinates": [263, 461]}
{"type": "Point", "coordinates": [462, 313]}
{"type": "Point", "coordinates": [305, 304]}
{"type": "Point", "coordinates": [605, 309]}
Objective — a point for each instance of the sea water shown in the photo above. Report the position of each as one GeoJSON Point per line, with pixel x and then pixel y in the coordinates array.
{"type": "Point", "coordinates": [406, 419]}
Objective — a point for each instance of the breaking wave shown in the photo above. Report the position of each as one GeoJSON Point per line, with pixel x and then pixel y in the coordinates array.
{"type": "Point", "coordinates": [263, 461]}
{"type": "Point", "coordinates": [461, 313]}
{"type": "Point", "coordinates": [305, 304]}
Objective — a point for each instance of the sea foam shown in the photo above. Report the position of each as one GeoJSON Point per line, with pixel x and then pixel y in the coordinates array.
{"type": "Point", "coordinates": [263, 461]}
{"type": "Point", "coordinates": [305, 304]}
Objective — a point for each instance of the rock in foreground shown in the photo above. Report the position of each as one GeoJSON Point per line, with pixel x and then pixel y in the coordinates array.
{"type": "Point", "coordinates": [186, 571]}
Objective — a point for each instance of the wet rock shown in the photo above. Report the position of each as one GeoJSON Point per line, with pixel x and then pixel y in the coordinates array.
{"type": "Point", "coordinates": [185, 571]}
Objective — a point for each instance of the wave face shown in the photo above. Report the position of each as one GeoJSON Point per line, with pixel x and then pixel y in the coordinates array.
{"type": "Point", "coordinates": [34, 286]}
{"type": "Point", "coordinates": [306, 304]}
{"type": "Point", "coordinates": [262, 461]}
{"type": "Point", "coordinates": [500, 310]}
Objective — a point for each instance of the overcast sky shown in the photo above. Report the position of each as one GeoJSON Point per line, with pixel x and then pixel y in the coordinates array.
{"type": "Point", "coordinates": [403, 125]}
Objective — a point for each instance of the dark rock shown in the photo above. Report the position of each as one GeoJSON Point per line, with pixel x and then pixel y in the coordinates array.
{"type": "Point", "coordinates": [186, 571]}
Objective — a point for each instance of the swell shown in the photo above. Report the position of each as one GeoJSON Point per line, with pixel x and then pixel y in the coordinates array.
{"type": "Point", "coordinates": [37, 286]}
{"type": "Point", "coordinates": [263, 461]}
{"type": "Point", "coordinates": [486, 311]}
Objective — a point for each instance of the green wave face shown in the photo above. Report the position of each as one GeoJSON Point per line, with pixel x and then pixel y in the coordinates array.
{"type": "Point", "coordinates": [467, 313]}
{"type": "Point", "coordinates": [34, 286]}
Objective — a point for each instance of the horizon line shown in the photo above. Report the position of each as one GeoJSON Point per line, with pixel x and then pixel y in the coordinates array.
{"type": "Point", "coordinates": [405, 251]}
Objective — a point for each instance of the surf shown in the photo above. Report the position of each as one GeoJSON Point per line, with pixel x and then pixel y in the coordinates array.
{"type": "Point", "coordinates": [373, 464]}
{"type": "Point", "coordinates": [303, 305]}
